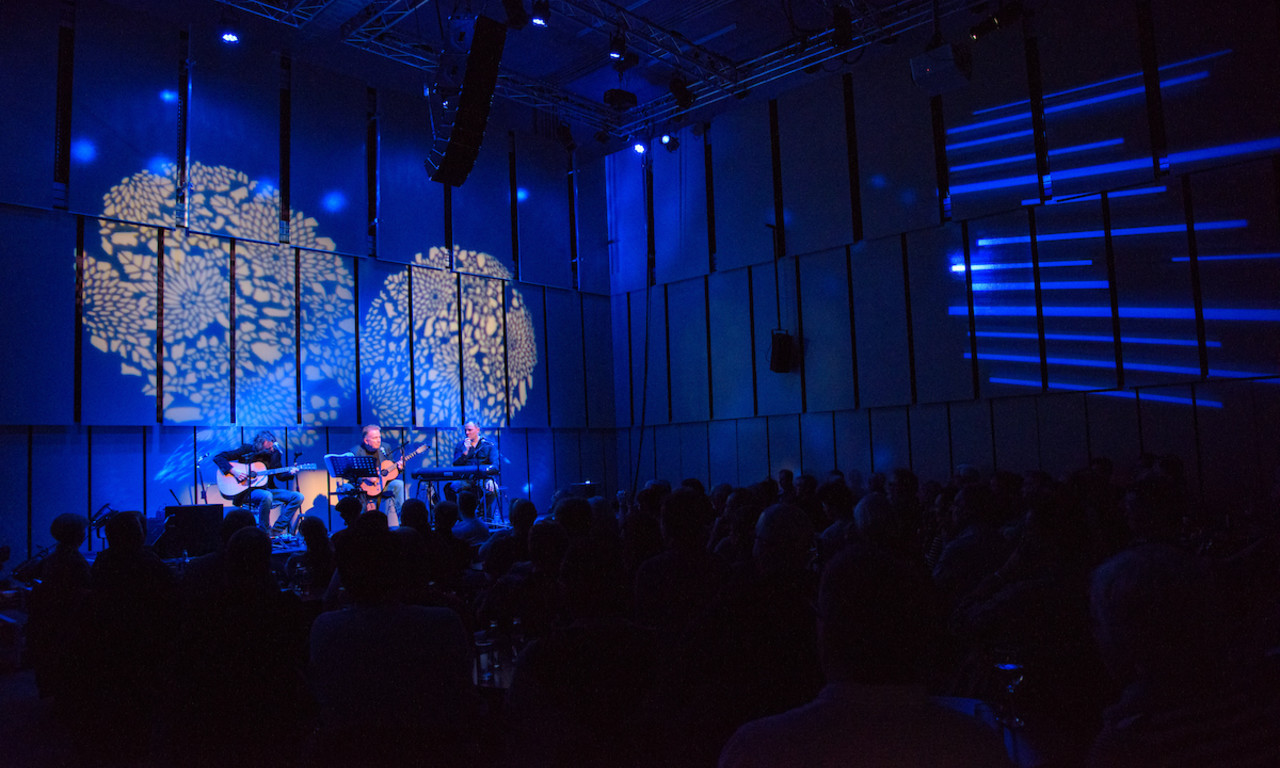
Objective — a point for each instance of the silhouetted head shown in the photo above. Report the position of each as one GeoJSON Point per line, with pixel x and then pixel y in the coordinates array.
{"type": "Point", "coordinates": [873, 627]}
{"type": "Point", "coordinates": [124, 531]}
{"type": "Point", "coordinates": [548, 541]}
{"type": "Point", "coordinates": [574, 513]}
{"type": "Point", "coordinates": [348, 509]}
{"type": "Point", "coordinates": [68, 529]}
{"type": "Point", "coordinates": [313, 533]}
{"type": "Point", "coordinates": [413, 514]}
{"type": "Point", "coordinates": [467, 503]}
{"type": "Point", "coordinates": [523, 514]}
{"type": "Point", "coordinates": [446, 515]}
{"type": "Point", "coordinates": [233, 521]}
{"type": "Point", "coordinates": [683, 515]}
{"type": "Point", "coordinates": [784, 536]}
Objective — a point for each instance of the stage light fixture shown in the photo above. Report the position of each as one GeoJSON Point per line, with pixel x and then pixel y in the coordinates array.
{"type": "Point", "coordinates": [1003, 17]}
{"type": "Point", "coordinates": [228, 28]}
{"type": "Point", "coordinates": [541, 14]}
{"type": "Point", "coordinates": [618, 45]}
{"type": "Point", "coordinates": [670, 141]}
{"type": "Point", "coordinates": [639, 147]}
{"type": "Point", "coordinates": [679, 88]}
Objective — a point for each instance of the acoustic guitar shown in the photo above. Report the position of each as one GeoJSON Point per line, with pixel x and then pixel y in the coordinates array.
{"type": "Point", "coordinates": [388, 471]}
{"type": "Point", "coordinates": [257, 474]}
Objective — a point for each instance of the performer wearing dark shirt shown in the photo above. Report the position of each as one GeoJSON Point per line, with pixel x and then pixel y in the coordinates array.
{"type": "Point", "coordinates": [377, 487]}
{"type": "Point", "coordinates": [262, 497]}
{"type": "Point", "coordinates": [473, 450]}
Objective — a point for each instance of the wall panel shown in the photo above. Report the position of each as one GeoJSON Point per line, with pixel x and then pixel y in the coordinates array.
{"type": "Point", "coordinates": [38, 342]}
{"type": "Point", "coordinates": [29, 54]}
{"type": "Point", "coordinates": [853, 445]}
{"type": "Point", "coordinates": [815, 166]}
{"type": "Point", "coordinates": [753, 451]}
{"type": "Point", "coordinates": [775, 309]}
{"type": "Point", "coordinates": [482, 206]}
{"type": "Point", "coordinates": [687, 316]}
{"type": "Point", "coordinates": [817, 443]}
{"type": "Point", "coordinates": [568, 457]}
{"type": "Point", "coordinates": [827, 345]}
{"type": "Point", "coordinates": [542, 211]}
{"type": "Point", "coordinates": [785, 450]}
{"type": "Point", "coordinates": [971, 442]}
{"type": "Point", "coordinates": [931, 442]}
{"type": "Point", "coordinates": [597, 339]}
{"type": "Point", "coordinates": [693, 453]}
{"type": "Point", "coordinates": [723, 439]}
{"type": "Point", "coordinates": [1016, 434]}
{"type": "Point", "coordinates": [731, 370]}
{"type": "Point", "coordinates": [410, 206]}
{"type": "Point", "coordinates": [879, 304]}
{"type": "Point", "coordinates": [743, 185]}
{"type": "Point", "coordinates": [328, 190]}
{"type": "Point", "coordinates": [564, 365]}
{"type": "Point", "coordinates": [890, 439]}
{"type": "Point", "coordinates": [680, 208]}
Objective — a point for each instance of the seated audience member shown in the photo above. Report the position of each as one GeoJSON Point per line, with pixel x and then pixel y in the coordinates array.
{"type": "Point", "coordinates": [55, 604]}
{"type": "Point", "coordinates": [752, 653]}
{"type": "Point", "coordinates": [240, 691]}
{"type": "Point", "coordinates": [202, 577]}
{"type": "Point", "coordinates": [392, 681]}
{"type": "Point", "coordinates": [469, 528]}
{"type": "Point", "coordinates": [311, 570]}
{"type": "Point", "coordinates": [530, 591]}
{"type": "Point", "coordinates": [576, 694]}
{"type": "Point", "coordinates": [741, 512]}
{"type": "Point", "coordinates": [837, 506]}
{"type": "Point", "coordinates": [873, 710]}
{"type": "Point", "coordinates": [1190, 698]}
{"type": "Point", "coordinates": [976, 548]}
{"type": "Point", "coordinates": [675, 586]}
{"type": "Point", "coordinates": [126, 642]}
{"type": "Point", "coordinates": [508, 546]}
{"type": "Point", "coordinates": [451, 557]}
{"type": "Point", "coordinates": [574, 514]}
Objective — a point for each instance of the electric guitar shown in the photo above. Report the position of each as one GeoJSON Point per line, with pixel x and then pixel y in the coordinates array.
{"type": "Point", "coordinates": [256, 476]}
{"type": "Point", "coordinates": [388, 471]}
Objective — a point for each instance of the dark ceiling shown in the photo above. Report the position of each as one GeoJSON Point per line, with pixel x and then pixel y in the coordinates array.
{"type": "Point", "coordinates": [718, 48]}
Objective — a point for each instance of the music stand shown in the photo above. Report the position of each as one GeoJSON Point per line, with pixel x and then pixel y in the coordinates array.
{"type": "Point", "coordinates": [351, 468]}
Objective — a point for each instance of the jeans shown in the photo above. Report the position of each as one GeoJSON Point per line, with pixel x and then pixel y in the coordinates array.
{"type": "Point", "coordinates": [265, 498]}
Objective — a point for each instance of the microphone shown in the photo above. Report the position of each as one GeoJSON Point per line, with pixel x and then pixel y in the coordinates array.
{"type": "Point", "coordinates": [203, 456]}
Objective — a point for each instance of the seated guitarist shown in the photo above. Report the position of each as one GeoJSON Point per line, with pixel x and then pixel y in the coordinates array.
{"type": "Point", "coordinates": [374, 489]}
{"type": "Point", "coordinates": [264, 496]}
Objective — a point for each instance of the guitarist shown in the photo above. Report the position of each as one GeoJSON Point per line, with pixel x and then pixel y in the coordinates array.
{"type": "Point", "coordinates": [263, 449]}
{"type": "Point", "coordinates": [374, 489]}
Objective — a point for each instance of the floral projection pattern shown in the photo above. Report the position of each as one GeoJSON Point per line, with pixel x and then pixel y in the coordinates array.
{"type": "Point", "coordinates": [436, 328]}
{"type": "Point", "coordinates": [119, 308]}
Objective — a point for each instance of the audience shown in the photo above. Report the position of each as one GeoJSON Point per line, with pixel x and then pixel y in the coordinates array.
{"type": "Point", "coordinates": [689, 628]}
{"type": "Point", "coordinates": [873, 630]}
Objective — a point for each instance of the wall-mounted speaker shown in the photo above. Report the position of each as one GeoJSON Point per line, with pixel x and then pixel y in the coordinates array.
{"type": "Point", "coordinates": [780, 352]}
{"type": "Point", "coordinates": [470, 112]}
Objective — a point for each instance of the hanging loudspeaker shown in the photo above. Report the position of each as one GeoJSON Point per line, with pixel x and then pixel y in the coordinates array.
{"type": "Point", "coordinates": [472, 109]}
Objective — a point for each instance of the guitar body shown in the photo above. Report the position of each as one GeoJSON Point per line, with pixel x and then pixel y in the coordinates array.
{"type": "Point", "coordinates": [389, 470]}
{"type": "Point", "coordinates": [257, 473]}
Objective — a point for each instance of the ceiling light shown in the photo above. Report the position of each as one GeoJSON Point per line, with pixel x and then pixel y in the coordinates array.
{"type": "Point", "coordinates": [541, 12]}
{"type": "Point", "coordinates": [639, 147]}
{"type": "Point", "coordinates": [228, 29]}
{"type": "Point", "coordinates": [618, 45]}
{"type": "Point", "coordinates": [670, 141]}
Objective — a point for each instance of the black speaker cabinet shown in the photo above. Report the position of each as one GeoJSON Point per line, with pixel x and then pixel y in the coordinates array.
{"type": "Point", "coordinates": [191, 529]}
{"type": "Point", "coordinates": [780, 352]}
{"type": "Point", "coordinates": [474, 101]}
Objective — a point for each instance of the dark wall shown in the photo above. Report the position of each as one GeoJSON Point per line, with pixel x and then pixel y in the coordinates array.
{"type": "Point", "coordinates": [1073, 255]}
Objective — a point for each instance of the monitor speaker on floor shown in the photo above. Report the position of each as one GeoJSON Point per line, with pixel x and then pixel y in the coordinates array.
{"type": "Point", "coordinates": [189, 531]}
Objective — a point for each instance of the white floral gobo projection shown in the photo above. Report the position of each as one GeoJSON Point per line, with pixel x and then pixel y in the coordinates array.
{"type": "Point", "coordinates": [435, 323]}
{"type": "Point", "coordinates": [119, 309]}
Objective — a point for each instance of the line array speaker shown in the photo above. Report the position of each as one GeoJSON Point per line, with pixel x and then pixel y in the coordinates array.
{"type": "Point", "coordinates": [469, 108]}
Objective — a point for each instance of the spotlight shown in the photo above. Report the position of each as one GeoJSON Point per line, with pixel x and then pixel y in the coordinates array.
{"type": "Point", "coordinates": [1003, 17]}
{"type": "Point", "coordinates": [639, 147]}
{"type": "Point", "coordinates": [228, 29]}
{"type": "Point", "coordinates": [680, 89]}
{"type": "Point", "coordinates": [541, 12]}
{"type": "Point", "coordinates": [670, 141]}
{"type": "Point", "coordinates": [618, 44]}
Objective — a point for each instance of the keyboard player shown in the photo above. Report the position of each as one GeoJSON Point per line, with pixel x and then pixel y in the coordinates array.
{"type": "Point", "coordinates": [473, 450]}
